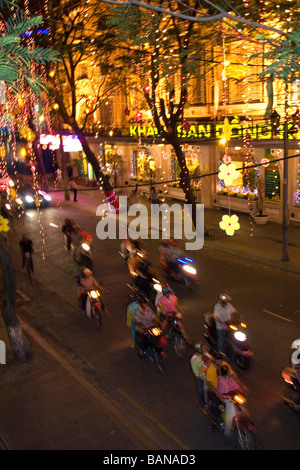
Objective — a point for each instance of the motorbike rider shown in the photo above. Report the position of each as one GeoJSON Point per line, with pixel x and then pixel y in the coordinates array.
{"type": "Point", "coordinates": [144, 271]}
{"type": "Point", "coordinates": [87, 282]}
{"type": "Point", "coordinates": [214, 396]}
{"type": "Point", "coordinates": [199, 362]}
{"type": "Point", "coordinates": [171, 251]}
{"type": "Point", "coordinates": [132, 306]}
{"type": "Point", "coordinates": [67, 230]}
{"type": "Point", "coordinates": [168, 306]}
{"type": "Point", "coordinates": [223, 311]}
{"type": "Point", "coordinates": [144, 318]}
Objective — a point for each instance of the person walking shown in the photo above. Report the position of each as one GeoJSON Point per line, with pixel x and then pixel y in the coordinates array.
{"type": "Point", "coordinates": [26, 247]}
{"type": "Point", "coordinates": [73, 188]}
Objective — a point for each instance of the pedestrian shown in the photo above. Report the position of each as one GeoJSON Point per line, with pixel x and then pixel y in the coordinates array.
{"type": "Point", "coordinates": [199, 362]}
{"type": "Point", "coordinates": [26, 247]}
{"type": "Point", "coordinates": [73, 188]}
{"type": "Point", "coordinates": [59, 175]}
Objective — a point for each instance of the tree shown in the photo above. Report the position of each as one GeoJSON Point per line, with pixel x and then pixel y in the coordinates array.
{"type": "Point", "coordinates": [88, 73]}
{"type": "Point", "coordinates": [17, 73]}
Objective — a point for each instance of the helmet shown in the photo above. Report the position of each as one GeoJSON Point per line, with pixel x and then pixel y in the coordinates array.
{"type": "Point", "coordinates": [166, 289]}
{"type": "Point", "coordinates": [87, 272]}
{"type": "Point", "coordinates": [225, 297]}
{"type": "Point", "coordinates": [224, 370]}
{"type": "Point", "coordinates": [197, 346]}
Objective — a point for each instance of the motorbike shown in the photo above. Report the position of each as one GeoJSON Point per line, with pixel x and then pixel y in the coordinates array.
{"type": "Point", "coordinates": [94, 307]}
{"type": "Point", "coordinates": [185, 271]}
{"type": "Point", "coordinates": [237, 343]}
{"type": "Point", "coordinates": [235, 421]}
{"type": "Point", "coordinates": [82, 253]}
{"type": "Point", "coordinates": [291, 391]}
{"type": "Point", "coordinates": [151, 346]}
{"type": "Point", "coordinates": [175, 335]}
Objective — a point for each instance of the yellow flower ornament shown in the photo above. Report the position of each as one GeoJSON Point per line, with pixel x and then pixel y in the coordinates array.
{"type": "Point", "coordinates": [3, 224]}
{"type": "Point", "coordinates": [229, 224]}
{"type": "Point", "coordinates": [228, 173]}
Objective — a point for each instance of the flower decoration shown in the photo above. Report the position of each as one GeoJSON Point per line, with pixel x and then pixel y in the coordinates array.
{"type": "Point", "coordinates": [3, 224]}
{"type": "Point", "coordinates": [228, 173]}
{"type": "Point", "coordinates": [229, 224]}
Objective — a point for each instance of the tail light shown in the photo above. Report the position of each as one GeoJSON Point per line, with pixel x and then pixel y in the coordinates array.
{"type": "Point", "coordinates": [286, 377]}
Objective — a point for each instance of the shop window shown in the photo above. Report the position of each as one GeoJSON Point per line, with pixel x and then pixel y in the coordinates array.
{"type": "Point", "coordinates": [272, 180]}
{"type": "Point", "coordinates": [192, 163]}
{"type": "Point", "coordinates": [143, 165]}
{"type": "Point", "coordinates": [245, 186]}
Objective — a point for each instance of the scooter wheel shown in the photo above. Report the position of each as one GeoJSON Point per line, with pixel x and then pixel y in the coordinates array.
{"type": "Point", "coordinates": [242, 362]}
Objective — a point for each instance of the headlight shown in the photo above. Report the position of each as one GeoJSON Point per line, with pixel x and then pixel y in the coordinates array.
{"type": "Point", "coordinates": [47, 197]}
{"type": "Point", "coordinates": [157, 287]}
{"type": "Point", "coordinates": [8, 206]}
{"type": "Point", "coordinates": [189, 269]}
{"type": "Point", "coordinates": [19, 201]}
{"type": "Point", "coordinates": [85, 246]}
{"type": "Point", "coordinates": [94, 294]}
{"type": "Point", "coordinates": [29, 198]}
{"type": "Point", "coordinates": [240, 336]}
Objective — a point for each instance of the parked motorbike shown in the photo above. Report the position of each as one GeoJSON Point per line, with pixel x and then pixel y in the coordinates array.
{"type": "Point", "coordinates": [94, 307]}
{"type": "Point", "coordinates": [151, 342]}
{"type": "Point", "coordinates": [237, 343]}
{"type": "Point", "coordinates": [291, 391]}
{"type": "Point", "coordinates": [236, 421]}
{"type": "Point", "coordinates": [175, 335]}
{"type": "Point", "coordinates": [184, 272]}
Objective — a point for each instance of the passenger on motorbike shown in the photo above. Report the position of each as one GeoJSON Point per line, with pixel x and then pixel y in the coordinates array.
{"type": "Point", "coordinates": [199, 362]}
{"type": "Point", "coordinates": [223, 311]}
{"type": "Point", "coordinates": [214, 396]}
{"type": "Point", "coordinates": [87, 283]}
{"type": "Point", "coordinates": [144, 318]}
{"type": "Point", "coordinates": [168, 306]}
{"type": "Point", "coordinates": [228, 382]}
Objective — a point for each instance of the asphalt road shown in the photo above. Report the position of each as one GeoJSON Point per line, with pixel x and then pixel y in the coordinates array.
{"type": "Point", "coordinates": [164, 407]}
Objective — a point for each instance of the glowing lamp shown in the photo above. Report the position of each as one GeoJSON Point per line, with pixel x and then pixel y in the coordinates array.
{"type": "Point", "coordinates": [23, 152]}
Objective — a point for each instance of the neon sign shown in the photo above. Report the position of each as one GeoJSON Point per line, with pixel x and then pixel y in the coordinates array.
{"type": "Point", "coordinates": [215, 131]}
{"type": "Point", "coordinates": [71, 143]}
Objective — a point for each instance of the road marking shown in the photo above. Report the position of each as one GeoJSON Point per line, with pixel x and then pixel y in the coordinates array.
{"type": "Point", "coordinates": [154, 420]}
{"type": "Point", "coordinates": [278, 316]}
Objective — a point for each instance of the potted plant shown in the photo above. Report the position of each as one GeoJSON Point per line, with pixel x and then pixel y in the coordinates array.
{"type": "Point", "coordinates": [260, 217]}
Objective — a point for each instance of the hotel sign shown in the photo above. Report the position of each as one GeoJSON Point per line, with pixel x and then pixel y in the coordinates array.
{"type": "Point", "coordinates": [215, 131]}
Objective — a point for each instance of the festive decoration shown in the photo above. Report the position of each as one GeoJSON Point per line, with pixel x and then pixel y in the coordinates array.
{"type": "Point", "coordinates": [230, 224]}
{"type": "Point", "coordinates": [227, 129]}
{"type": "Point", "coordinates": [228, 173]}
{"type": "Point", "coordinates": [4, 224]}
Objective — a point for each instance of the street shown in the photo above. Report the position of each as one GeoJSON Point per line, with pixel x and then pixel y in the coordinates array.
{"type": "Point", "coordinates": [163, 407]}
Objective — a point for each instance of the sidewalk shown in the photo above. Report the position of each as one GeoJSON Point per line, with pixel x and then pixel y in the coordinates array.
{"type": "Point", "coordinates": [48, 404]}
